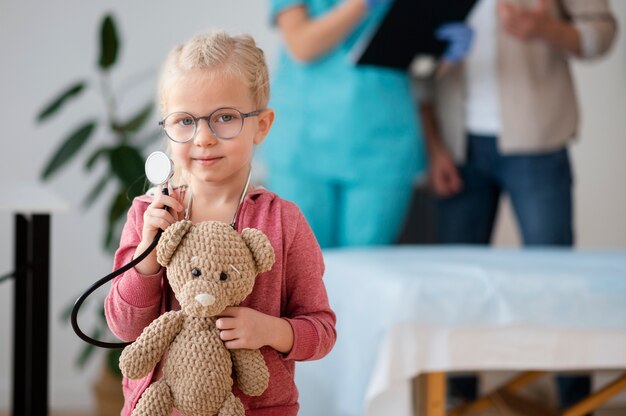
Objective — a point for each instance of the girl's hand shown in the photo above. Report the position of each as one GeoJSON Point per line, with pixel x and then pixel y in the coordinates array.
{"type": "Point", "coordinates": [246, 328]}
{"type": "Point", "coordinates": [157, 217]}
{"type": "Point", "coordinates": [243, 328]}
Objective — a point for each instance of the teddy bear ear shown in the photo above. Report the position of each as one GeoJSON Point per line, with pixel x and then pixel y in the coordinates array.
{"type": "Point", "coordinates": [170, 239]}
{"type": "Point", "coordinates": [261, 249]}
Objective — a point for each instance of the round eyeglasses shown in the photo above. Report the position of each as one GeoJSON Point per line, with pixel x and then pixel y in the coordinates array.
{"type": "Point", "coordinates": [224, 123]}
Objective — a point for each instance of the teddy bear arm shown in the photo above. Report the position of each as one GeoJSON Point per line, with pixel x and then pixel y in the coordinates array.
{"type": "Point", "coordinates": [252, 373]}
{"type": "Point", "coordinates": [140, 357]}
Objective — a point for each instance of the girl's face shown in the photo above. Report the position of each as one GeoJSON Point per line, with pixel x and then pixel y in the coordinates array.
{"type": "Point", "coordinates": [207, 158]}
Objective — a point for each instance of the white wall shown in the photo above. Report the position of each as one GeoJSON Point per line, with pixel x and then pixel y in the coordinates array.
{"type": "Point", "coordinates": [45, 46]}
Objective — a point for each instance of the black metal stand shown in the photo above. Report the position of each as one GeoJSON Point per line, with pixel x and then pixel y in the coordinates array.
{"type": "Point", "coordinates": [30, 343]}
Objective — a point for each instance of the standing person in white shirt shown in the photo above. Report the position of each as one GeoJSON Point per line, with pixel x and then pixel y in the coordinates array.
{"type": "Point", "coordinates": [501, 122]}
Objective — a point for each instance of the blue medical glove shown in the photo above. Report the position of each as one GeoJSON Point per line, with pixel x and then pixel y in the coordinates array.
{"type": "Point", "coordinates": [459, 37]}
{"type": "Point", "coordinates": [375, 3]}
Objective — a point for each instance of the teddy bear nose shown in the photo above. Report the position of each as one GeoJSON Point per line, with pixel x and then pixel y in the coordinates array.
{"type": "Point", "coordinates": [205, 299]}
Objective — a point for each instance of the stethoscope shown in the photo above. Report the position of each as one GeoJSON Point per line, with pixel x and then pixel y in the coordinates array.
{"type": "Point", "coordinates": [159, 169]}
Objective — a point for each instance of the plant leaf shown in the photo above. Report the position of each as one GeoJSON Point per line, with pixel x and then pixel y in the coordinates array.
{"type": "Point", "coordinates": [95, 156]}
{"type": "Point", "coordinates": [127, 164]}
{"type": "Point", "coordinates": [56, 104]}
{"type": "Point", "coordinates": [108, 239]}
{"type": "Point", "coordinates": [135, 123]}
{"type": "Point", "coordinates": [66, 314]}
{"type": "Point", "coordinates": [109, 43]}
{"type": "Point", "coordinates": [97, 190]}
{"type": "Point", "coordinates": [119, 206]}
{"type": "Point", "coordinates": [113, 360]}
{"type": "Point", "coordinates": [88, 350]}
{"type": "Point", "coordinates": [69, 148]}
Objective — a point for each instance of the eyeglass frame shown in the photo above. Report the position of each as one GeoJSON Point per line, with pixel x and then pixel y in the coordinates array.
{"type": "Point", "coordinates": [196, 121]}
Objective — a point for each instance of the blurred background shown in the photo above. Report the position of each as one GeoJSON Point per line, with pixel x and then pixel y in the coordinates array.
{"type": "Point", "coordinates": [48, 46]}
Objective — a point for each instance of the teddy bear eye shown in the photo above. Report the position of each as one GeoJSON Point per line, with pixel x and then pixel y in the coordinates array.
{"type": "Point", "coordinates": [196, 272]}
{"type": "Point", "coordinates": [223, 276]}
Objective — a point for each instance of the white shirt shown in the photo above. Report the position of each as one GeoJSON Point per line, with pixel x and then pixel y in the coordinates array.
{"type": "Point", "coordinates": [482, 105]}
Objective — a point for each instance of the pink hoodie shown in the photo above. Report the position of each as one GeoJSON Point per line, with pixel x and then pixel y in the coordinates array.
{"type": "Point", "coordinates": [292, 289]}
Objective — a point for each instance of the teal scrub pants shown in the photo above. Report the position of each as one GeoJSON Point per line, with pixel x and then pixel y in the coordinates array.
{"type": "Point", "coordinates": [345, 214]}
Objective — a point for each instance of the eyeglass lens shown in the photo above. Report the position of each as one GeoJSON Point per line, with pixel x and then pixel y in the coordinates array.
{"type": "Point", "coordinates": [224, 123]}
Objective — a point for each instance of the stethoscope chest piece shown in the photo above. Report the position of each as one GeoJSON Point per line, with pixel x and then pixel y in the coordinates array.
{"type": "Point", "coordinates": [159, 168]}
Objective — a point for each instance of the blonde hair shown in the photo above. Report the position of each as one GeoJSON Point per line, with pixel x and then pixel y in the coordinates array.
{"type": "Point", "coordinates": [237, 56]}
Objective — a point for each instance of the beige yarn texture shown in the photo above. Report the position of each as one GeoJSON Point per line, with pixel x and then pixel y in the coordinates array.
{"type": "Point", "coordinates": [209, 266]}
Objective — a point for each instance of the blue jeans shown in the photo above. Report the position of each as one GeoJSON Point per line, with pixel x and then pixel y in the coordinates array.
{"type": "Point", "coordinates": [539, 186]}
{"type": "Point", "coordinates": [540, 189]}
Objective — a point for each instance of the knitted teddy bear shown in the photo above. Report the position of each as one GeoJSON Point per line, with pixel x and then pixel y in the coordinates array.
{"type": "Point", "coordinates": [209, 266]}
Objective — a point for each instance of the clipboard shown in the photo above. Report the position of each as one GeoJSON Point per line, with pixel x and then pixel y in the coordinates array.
{"type": "Point", "coordinates": [408, 30]}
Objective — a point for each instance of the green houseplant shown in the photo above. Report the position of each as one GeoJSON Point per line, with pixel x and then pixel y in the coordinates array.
{"type": "Point", "coordinates": [122, 142]}
{"type": "Point", "coordinates": [123, 138]}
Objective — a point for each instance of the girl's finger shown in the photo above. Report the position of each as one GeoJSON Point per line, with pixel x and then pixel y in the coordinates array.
{"type": "Point", "coordinates": [227, 335]}
{"type": "Point", "coordinates": [158, 223]}
{"type": "Point", "coordinates": [162, 201]}
{"type": "Point", "coordinates": [161, 215]}
{"type": "Point", "coordinates": [225, 323]}
{"type": "Point", "coordinates": [234, 345]}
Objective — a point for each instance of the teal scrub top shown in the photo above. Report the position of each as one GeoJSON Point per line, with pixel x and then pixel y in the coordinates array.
{"type": "Point", "coordinates": [340, 121]}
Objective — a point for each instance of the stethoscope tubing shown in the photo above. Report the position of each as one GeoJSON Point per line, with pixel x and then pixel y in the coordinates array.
{"type": "Point", "coordinates": [103, 281]}
{"type": "Point", "coordinates": [126, 267]}
{"type": "Point", "coordinates": [98, 284]}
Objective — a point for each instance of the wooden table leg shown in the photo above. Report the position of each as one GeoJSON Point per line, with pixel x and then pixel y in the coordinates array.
{"type": "Point", "coordinates": [430, 392]}
{"type": "Point", "coordinates": [596, 399]}
{"type": "Point", "coordinates": [485, 402]}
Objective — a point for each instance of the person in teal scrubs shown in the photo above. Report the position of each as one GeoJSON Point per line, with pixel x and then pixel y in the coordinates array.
{"type": "Point", "coordinates": [346, 145]}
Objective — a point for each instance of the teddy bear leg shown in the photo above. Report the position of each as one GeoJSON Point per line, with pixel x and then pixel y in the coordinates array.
{"type": "Point", "coordinates": [232, 406]}
{"type": "Point", "coordinates": [157, 400]}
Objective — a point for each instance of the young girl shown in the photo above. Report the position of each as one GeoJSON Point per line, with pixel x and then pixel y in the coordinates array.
{"type": "Point", "coordinates": [214, 91]}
